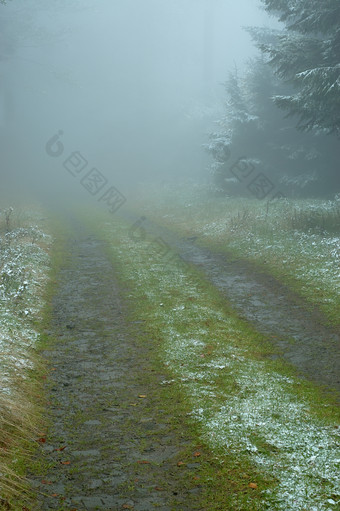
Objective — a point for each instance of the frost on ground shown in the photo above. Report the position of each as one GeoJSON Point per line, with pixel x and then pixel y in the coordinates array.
{"type": "Point", "coordinates": [263, 419]}
{"type": "Point", "coordinates": [24, 265]}
{"type": "Point", "coordinates": [313, 257]}
{"type": "Point", "coordinates": [244, 405]}
{"type": "Point", "coordinates": [297, 238]}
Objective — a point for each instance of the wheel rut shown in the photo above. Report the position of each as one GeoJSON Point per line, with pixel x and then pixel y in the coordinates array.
{"type": "Point", "coordinates": [109, 446]}
{"type": "Point", "coordinates": [298, 331]}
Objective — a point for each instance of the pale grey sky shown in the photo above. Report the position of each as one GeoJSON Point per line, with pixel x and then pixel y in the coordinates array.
{"type": "Point", "coordinates": [128, 81]}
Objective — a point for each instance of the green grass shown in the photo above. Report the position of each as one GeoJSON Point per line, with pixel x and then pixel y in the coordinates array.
{"type": "Point", "coordinates": [258, 421]}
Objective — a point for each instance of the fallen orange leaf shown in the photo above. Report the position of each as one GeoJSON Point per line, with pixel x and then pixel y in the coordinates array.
{"type": "Point", "coordinates": [196, 454]}
{"type": "Point", "coordinates": [61, 448]}
{"type": "Point", "coordinates": [143, 462]}
{"type": "Point", "coordinates": [180, 463]}
{"type": "Point", "coordinates": [42, 440]}
{"type": "Point", "coordinates": [65, 462]}
{"type": "Point", "coordinates": [253, 485]}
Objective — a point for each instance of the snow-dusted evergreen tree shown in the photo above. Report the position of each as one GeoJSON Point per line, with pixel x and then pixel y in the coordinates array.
{"type": "Point", "coordinates": [307, 54]}
{"type": "Point", "coordinates": [256, 132]}
{"type": "Point", "coordinates": [226, 141]}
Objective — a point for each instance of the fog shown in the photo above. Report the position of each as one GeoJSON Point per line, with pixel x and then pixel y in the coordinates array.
{"type": "Point", "coordinates": [132, 86]}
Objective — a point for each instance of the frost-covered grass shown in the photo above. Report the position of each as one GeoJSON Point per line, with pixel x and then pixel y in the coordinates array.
{"type": "Point", "coordinates": [296, 240]}
{"type": "Point", "coordinates": [276, 437]}
{"type": "Point", "coordinates": [24, 266]}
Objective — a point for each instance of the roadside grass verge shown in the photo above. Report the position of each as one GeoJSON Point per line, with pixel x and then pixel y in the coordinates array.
{"type": "Point", "coordinates": [24, 269]}
{"type": "Point", "coordinates": [273, 438]}
{"type": "Point", "coordinates": [297, 241]}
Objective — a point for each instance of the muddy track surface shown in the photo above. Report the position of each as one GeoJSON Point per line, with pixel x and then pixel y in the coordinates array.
{"type": "Point", "coordinates": [106, 447]}
{"type": "Point", "coordinates": [296, 329]}
{"type": "Point", "coordinates": [299, 332]}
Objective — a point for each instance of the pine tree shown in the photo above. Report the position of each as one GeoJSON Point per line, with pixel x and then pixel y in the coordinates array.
{"type": "Point", "coordinates": [255, 131]}
{"type": "Point", "coordinates": [307, 54]}
{"type": "Point", "coordinates": [230, 131]}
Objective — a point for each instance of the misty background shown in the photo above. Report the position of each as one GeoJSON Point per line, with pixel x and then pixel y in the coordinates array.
{"type": "Point", "coordinates": [159, 91]}
{"type": "Point", "coordinates": [134, 86]}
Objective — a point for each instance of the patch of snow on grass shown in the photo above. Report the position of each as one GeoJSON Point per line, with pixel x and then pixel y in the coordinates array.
{"type": "Point", "coordinates": [23, 272]}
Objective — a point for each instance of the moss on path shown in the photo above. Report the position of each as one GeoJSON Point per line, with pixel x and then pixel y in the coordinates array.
{"type": "Point", "coordinates": [111, 444]}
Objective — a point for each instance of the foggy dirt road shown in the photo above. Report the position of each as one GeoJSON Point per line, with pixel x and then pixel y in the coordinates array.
{"type": "Point", "coordinates": [209, 113]}
{"type": "Point", "coordinates": [105, 448]}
